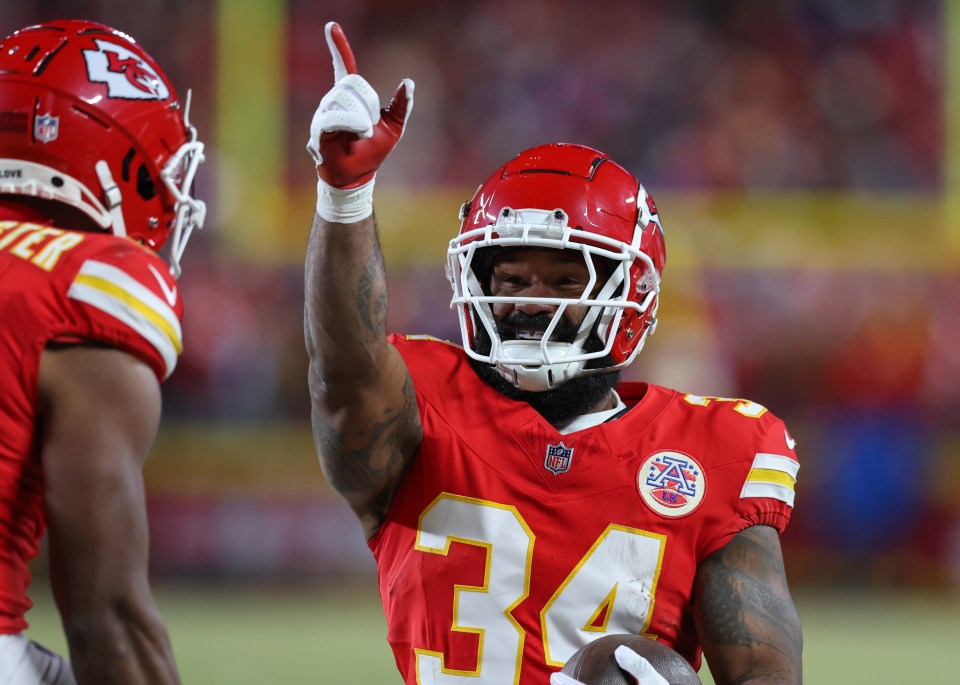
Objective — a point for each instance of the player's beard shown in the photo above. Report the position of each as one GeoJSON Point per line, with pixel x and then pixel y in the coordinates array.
{"type": "Point", "coordinates": [564, 403]}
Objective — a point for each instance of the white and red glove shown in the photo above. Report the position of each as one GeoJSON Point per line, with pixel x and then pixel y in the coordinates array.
{"type": "Point", "coordinates": [350, 136]}
{"type": "Point", "coordinates": [631, 662]}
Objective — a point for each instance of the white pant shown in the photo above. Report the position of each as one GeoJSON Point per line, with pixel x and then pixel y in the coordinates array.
{"type": "Point", "coordinates": [24, 662]}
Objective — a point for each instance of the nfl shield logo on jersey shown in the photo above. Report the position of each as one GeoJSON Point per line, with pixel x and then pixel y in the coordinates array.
{"type": "Point", "coordinates": [558, 458]}
{"type": "Point", "coordinates": [46, 128]}
{"type": "Point", "coordinates": [671, 483]}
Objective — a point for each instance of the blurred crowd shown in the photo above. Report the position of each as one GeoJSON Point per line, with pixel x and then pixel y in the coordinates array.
{"type": "Point", "coordinates": [744, 97]}
{"type": "Point", "coordinates": [746, 94]}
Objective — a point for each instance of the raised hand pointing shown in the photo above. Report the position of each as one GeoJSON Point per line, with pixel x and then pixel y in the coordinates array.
{"type": "Point", "coordinates": [350, 136]}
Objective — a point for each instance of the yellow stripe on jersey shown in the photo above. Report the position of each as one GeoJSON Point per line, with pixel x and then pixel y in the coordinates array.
{"type": "Point", "coordinates": [773, 476]}
{"type": "Point", "coordinates": [120, 294]}
{"type": "Point", "coordinates": [115, 292]}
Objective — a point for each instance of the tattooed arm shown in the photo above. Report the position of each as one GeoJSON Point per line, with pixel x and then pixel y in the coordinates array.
{"type": "Point", "coordinates": [745, 616]}
{"type": "Point", "coordinates": [365, 420]}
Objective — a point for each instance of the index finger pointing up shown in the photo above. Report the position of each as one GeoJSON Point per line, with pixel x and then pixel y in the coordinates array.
{"type": "Point", "coordinates": [343, 60]}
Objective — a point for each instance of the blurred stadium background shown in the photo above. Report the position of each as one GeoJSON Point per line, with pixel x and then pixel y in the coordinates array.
{"type": "Point", "coordinates": [806, 160]}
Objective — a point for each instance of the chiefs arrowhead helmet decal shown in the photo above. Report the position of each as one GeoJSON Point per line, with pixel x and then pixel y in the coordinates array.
{"type": "Point", "coordinates": [126, 74]}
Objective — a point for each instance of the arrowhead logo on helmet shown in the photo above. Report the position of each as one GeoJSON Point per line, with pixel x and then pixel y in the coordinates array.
{"type": "Point", "coordinates": [127, 76]}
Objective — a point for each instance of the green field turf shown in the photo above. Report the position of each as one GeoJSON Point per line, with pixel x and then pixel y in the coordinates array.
{"type": "Point", "coordinates": [233, 635]}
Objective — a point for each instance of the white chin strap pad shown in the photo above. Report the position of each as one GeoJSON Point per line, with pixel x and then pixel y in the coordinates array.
{"type": "Point", "coordinates": [530, 371]}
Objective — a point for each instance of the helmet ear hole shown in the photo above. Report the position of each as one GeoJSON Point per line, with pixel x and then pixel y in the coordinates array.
{"type": "Point", "coordinates": [146, 188]}
{"type": "Point", "coordinates": [125, 165]}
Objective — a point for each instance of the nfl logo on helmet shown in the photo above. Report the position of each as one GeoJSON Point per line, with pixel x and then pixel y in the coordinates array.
{"type": "Point", "coordinates": [558, 458]}
{"type": "Point", "coordinates": [46, 128]}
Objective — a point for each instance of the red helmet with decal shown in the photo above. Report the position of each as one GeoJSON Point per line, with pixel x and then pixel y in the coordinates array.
{"type": "Point", "coordinates": [565, 197]}
{"type": "Point", "coordinates": [87, 118]}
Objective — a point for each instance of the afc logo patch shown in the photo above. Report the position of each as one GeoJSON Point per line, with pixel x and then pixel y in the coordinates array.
{"type": "Point", "coordinates": [126, 74]}
{"type": "Point", "coordinates": [558, 458]}
{"type": "Point", "coordinates": [671, 483]}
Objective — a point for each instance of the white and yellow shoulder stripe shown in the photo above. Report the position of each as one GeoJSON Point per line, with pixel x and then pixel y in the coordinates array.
{"type": "Point", "coordinates": [772, 475]}
{"type": "Point", "coordinates": [115, 292]}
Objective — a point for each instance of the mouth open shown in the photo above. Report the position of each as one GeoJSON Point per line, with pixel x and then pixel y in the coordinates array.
{"type": "Point", "coordinates": [534, 328]}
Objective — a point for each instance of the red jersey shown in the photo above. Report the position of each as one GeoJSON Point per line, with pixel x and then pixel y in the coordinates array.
{"type": "Point", "coordinates": [63, 286]}
{"type": "Point", "coordinates": [509, 546]}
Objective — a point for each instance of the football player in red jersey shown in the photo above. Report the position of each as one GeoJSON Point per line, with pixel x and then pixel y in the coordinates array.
{"type": "Point", "coordinates": [518, 500]}
{"type": "Point", "coordinates": [97, 157]}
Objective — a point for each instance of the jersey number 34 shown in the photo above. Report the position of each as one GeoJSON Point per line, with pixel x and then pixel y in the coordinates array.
{"type": "Point", "coordinates": [611, 589]}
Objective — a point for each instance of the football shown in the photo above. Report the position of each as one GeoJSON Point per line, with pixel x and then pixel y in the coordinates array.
{"type": "Point", "coordinates": [594, 663]}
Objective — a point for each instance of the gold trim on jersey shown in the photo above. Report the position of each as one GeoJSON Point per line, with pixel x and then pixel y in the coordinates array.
{"type": "Point", "coordinates": [430, 338]}
{"type": "Point", "coordinates": [772, 475]}
{"type": "Point", "coordinates": [115, 292]}
{"type": "Point", "coordinates": [595, 624]}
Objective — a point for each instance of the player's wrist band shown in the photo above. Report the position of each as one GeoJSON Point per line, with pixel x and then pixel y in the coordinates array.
{"type": "Point", "coordinates": [344, 206]}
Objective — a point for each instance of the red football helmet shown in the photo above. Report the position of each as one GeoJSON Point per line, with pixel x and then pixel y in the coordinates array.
{"type": "Point", "coordinates": [87, 118]}
{"type": "Point", "coordinates": [566, 197]}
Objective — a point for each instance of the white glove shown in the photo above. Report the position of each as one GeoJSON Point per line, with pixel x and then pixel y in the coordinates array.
{"type": "Point", "coordinates": [350, 136]}
{"type": "Point", "coordinates": [631, 662]}
{"type": "Point", "coordinates": [638, 667]}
